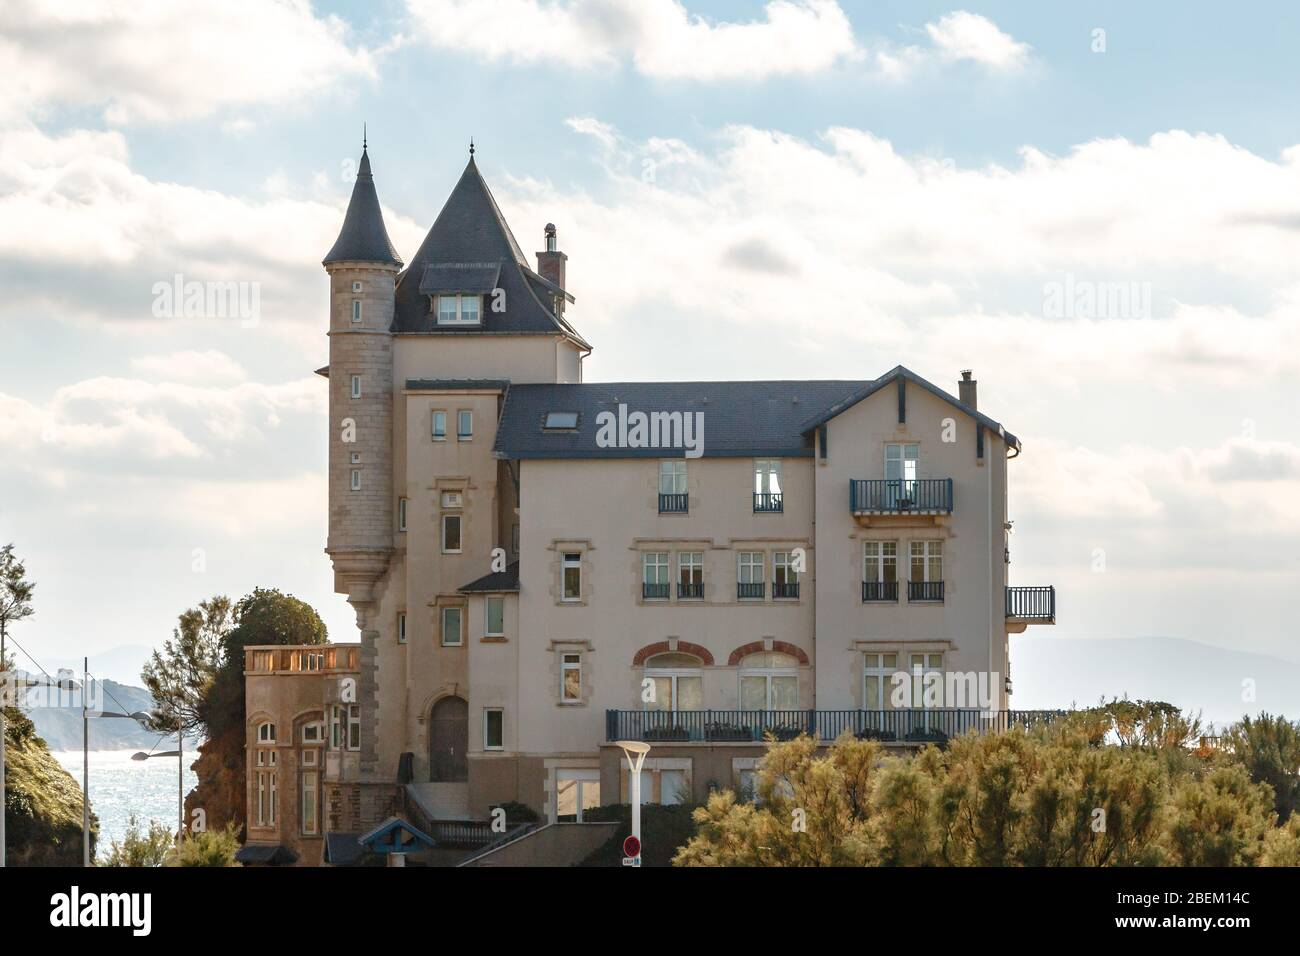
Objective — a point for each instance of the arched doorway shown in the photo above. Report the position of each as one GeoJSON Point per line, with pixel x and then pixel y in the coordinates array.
{"type": "Point", "coordinates": [448, 741]}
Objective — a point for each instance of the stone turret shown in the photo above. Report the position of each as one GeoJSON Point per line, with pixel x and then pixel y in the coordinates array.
{"type": "Point", "coordinates": [362, 267]}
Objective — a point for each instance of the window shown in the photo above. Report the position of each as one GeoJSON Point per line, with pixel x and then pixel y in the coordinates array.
{"type": "Point", "coordinates": [560, 421]}
{"type": "Point", "coordinates": [267, 787]}
{"type": "Point", "coordinates": [356, 309]}
{"type": "Point", "coordinates": [785, 579]}
{"type": "Point", "coordinates": [336, 727]}
{"type": "Point", "coordinates": [926, 580]}
{"type": "Point", "coordinates": [401, 627]}
{"type": "Point", "coordinates": [356, 479]}
{"type": "Point", "coordinates": [451, 534]}
{"type": "Point", "coordinates": [575, 792]}
{"type": "Point", "coordinates": [514, 539]}
{"type": "Point", "coordinates": [464, 425]}
{"type": "Point", "coordinates": [452, 499]}
{"type": "Point", "coordinates": [570, 678]}
{"type": "Point", "coordinates": [451, 618]}
{"type": "Point", "coordinates": [494, 728]}
{"type": "Point", "coordinates": [690, 574]}
{"type": "Point", "coordinates": [266, 733]}
{"type": "Point", "coordinates": [458, 309]}
{"type": "Point", "coordinates": [767, 484]}
{"type": "Point", "coordinates": [313, 733]}
{"type": "Point", "coordinates": [494, 615]}
{"type": "Point", "coordinates": [749, 574]}
{"type": "Point", "coordinates": [572, 574]}
{"type": "Point", "coordinates": [654, 575]}
{"type": "Point", "coordinates": [401, 514]}
{"type": "Point", "coordinates": [880, 571]}
{"type": "Point", "coordinates": [356, 458]}
{"type": "Point", "coordinates": [879, 673]}
{"type": "Point", "coordinates": [927, 692]}
{"type": "Point", "coordinates": [675, 683]}
{"type": "Point", "coordinates": [439, 426]}
{"type": "Point", "coordinates": [310, 803]}
{"type": "Point", "coordinates": [672, 788]}
{"type": "Point", "coordinates": [354, 726]}
{"type": "Point", "coordinates": [356, 386]}
{"type": "Point", "coordinates": [672, 486]}
{"type": "Point", "coordinates": [356, 287]}
{"type": "Point", "coordinates": [769, 681]}
{"type": "Point", "coordinates": [900, 472]}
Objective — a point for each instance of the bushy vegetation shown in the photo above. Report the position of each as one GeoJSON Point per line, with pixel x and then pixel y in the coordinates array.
{"type": "Point", "coordinates": [210, 848]}
{"type": "Point", "coordinates": [42, 801]}
{"type": "Point", "coordinates": [140, 846]}
{"type": "Point", "coordinates": [664, 829]}
{"type": "Point", "coordinates": [1124, 784]}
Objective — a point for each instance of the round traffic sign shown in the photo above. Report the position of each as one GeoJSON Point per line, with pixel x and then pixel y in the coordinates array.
{"type": "Point", "coordinates": [631, 846]}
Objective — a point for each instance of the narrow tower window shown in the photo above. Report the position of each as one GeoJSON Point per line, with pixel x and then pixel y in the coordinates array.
{"type": "Point", "coordinates": [356, 311]}
{"type": "Point", "coordinates": [356, 386]}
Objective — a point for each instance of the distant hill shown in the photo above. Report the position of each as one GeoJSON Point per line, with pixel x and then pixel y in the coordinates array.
{"type": "Point", "coordinates": [1052, 672]}
{"type": "Point", "coordinates": [60, 725]}
{"type": "Point", "coordinates": [122, 663]}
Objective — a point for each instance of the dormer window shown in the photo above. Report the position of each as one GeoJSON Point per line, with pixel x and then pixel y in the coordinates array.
{"type": "Point", "coordinates": [459, 309]}
{"type": "Point", "coordinates": [560, 421]}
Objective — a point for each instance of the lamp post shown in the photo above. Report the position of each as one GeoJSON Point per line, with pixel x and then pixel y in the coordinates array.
{"type": "Point", "coordinates": [635, 752]}
{"type": "Point", "coordinates": [139, 716]}
{"type": "Point", "coordinates": [179, 754]}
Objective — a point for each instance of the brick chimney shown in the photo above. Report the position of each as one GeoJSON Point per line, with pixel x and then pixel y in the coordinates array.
{"type": "Point", "coordinates": [550, 265]}
{"type": "Point", "coordinates": [966, 389]}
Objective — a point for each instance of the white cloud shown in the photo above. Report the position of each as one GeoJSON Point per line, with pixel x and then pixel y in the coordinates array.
{"type": "Point", "coordinates": [660, 38]}
{"type": "Point", "coordinates": [157, 60]}
{"type": "Point", "coordinates": [968, 36]}
{"type": "Point", "coordinates": [189, 366]}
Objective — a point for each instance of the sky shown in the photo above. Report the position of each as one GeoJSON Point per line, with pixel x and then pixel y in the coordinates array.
{"type": "Point", "coordinates": [1096, 208]}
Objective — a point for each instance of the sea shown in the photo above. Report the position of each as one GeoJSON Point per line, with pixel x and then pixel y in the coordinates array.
{"type": "Point", "coordinates": [120, 786]}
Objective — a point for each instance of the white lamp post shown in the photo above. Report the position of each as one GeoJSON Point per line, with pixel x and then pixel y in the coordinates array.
{"type": "Point", "coordinates": [635, 752]}
{"type": "Point", "coordinates": [179, 754]}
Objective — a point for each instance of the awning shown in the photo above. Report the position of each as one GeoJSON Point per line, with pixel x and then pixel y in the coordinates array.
{"type": "Point", "coordinates": [475, 278]}
{"type": "Point", "coordinates": [266, 854]}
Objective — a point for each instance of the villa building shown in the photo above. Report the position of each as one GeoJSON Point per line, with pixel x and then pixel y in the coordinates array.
{"type": "Point", "coordinates": [542, 566]}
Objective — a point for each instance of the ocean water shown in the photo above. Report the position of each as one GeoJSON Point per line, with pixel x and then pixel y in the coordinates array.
{"type": "Point", "coordinates": [120, 786]}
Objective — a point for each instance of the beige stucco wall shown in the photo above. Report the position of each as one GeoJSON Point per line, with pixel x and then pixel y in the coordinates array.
{"type": "Point", "coordinates": [969, 625]}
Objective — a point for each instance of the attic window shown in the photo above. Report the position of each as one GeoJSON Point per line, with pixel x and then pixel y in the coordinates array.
{"type": "Point", "coordinates": [457, 309]}
{"type": "Point", "coordinates": [560, 421]}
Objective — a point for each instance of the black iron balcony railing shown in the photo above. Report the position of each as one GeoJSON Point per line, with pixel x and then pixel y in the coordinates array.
{"type": "Point", "coordinates": [789, 589]}
{"type": "Point", "coordinates": [767, 501]}
{"type": "Point", "coordinates": [1032, 604]}
{"type": "Point", "coordinates": [873, 591]}
{"type": "Point", "coordinates": [900, 496]}
{"type": "Point", "coordinates": [654, 592]}
{"type": "Point", "coordinates": [673, 504]}
{"type": "Point", "coordinates": [690, 590]}
{"type": "Point", "coordinates": [925, 590]}
{"type": "Point", "coordinates": [750, 726]}
{"type": "Point", "coordinates": [744, 590]}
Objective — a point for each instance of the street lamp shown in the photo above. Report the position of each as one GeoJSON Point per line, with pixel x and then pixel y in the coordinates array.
{"type": "Point", "coordinates": [139, 716]}
{"type": "Point", "coordinates": [635, 752]}
{"type": "Point", "coordinates": [179, 754]}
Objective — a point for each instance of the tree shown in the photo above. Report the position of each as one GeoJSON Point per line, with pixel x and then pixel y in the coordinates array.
{"type": "Point", "coordinates": [1269, 748]}
{"type": "Point", "coordinates": [140, 847]}
{"type": "Point", "coordinates": [209, 848]}
{"type": "Point", "coordinates": [180, 676]}
{"type": "Point", "coordinates": [15, 596]}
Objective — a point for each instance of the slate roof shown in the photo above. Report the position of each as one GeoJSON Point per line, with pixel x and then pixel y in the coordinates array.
{"type": "Point", "coordinates": [741, 419]}
{"type": "Point", "coordinates": [496, 582]}
{"type": "Point", "coordinates": [363, 237]}
{"type": "Point", "coordinates": [269, 854]}
{"type": "Point", "coordinates": [471, 230]}
{"type": "Point", "coordinates": [469, 277]}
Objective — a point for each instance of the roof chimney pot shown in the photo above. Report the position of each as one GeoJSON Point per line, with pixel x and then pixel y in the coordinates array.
{"type": "Point", "coordinates": [550, 265]}
{"type": "Point", "coordinates": [966, 389]}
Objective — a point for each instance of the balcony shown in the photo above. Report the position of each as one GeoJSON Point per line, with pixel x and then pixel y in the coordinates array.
{"type": "Point", "coordinates": [789, 590]}
{"type": "Point", "coordinates": [925, 592]}
{"type": "Point", "coordinates": [654, 592]}
{"type": "Point", "coordinates": [894, 498]}
{"type": "Point", "coordinates": [874, 592]}
{"type": "Point", "coordinates": [690, 591]}
{"type": "Point", "coordinates": [673, 504]}
{"type": "Point", "coordinates": [767, 502]}
{"type": "Point", "coordinates": [750, 592]}
{"type": "Point", "coordinates": [753, 726]}
{"type": "Point", "coordinates": [1026, 606]}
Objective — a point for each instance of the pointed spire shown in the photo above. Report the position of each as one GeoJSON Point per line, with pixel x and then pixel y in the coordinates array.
{"type": "Point", "coordinates": [363, 237]}
{"type": "Point", "coordinates": [471, 147]}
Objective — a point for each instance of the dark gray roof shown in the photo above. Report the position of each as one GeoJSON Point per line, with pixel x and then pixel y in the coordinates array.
{"type": "Point", "coordinates": [363, 237]}
{"type": "Point", "coordinates": [456, 384]}
{"type": "Point", "coordinates": [471, 229]}
{"type": "Point", "coordinates": [343, 849]}
{"type": "Point", "coordinates": [269, 854]}
{"type": "Point", "coordinates": [897, 372]}
{"type": "Point", "coordinates": [496, 582]}
{"type": "Point", "coordinates": [469, 277]}
{"type": "Point", "coordinates": [741, 419]}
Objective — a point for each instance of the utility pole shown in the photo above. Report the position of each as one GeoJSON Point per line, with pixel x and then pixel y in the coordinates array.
{"type": "Point", "coordinates": [4, 679]}
{"type": "Point", "coordinates": [85, 764]}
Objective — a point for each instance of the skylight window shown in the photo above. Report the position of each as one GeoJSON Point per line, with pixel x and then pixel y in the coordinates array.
{"type": "Point", "coordinates": [561, 421]}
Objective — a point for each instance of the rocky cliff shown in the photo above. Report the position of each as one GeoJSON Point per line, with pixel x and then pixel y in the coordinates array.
{"type": "Point", "coordinates": [42, 802]}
